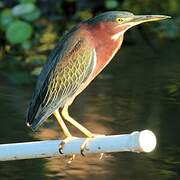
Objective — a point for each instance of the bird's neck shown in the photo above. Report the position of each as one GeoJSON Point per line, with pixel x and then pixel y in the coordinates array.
{"type": "Point", "coordinates": [106, 44]}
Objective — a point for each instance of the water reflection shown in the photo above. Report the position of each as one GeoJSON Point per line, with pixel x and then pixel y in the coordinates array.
{"type": "Point", "coordinates": [132, 94]}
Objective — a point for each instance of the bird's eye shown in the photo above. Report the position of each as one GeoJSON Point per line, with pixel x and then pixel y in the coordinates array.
{"type": "Point", "coordinates": [119, 20]}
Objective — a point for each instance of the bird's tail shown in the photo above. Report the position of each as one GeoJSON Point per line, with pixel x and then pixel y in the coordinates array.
{"type": "Point", "coordinates": [33, 118]}
{"type": "Point", "coordinates": [35, 124]}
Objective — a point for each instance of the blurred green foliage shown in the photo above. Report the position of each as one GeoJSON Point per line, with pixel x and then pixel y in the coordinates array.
{"type": "Point", "coordinates": [14, 21]}
{"type": "Point", "coordinates": [29, 29]}
{"type": "Point", "coordinates": [18, 32]}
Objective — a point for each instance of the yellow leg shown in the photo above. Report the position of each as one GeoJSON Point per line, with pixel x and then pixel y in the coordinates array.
{"type": "Point", "coordinates": [68, 118]}
{"type": "Point", "coordinates": [65, 131]}
{"type": "Point", "coordinates": [62, 124]}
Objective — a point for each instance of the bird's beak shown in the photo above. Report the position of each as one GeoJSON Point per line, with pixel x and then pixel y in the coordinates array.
{"type": "Point", "coordinates": [135, 20]}
{"type": "Point", "coordinates": [147, 18]}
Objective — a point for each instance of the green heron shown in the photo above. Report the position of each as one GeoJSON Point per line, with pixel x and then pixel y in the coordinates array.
{"type": "Point", "coordinates": [78, 58]}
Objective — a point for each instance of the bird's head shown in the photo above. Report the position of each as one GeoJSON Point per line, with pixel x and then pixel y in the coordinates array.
{"type": "Point", "coordinates": [117, 22]}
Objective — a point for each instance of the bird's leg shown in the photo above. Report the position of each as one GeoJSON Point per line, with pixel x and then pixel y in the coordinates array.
{"type": "Point", "coordinates": [81, 128]}
{"type": "Point", "coordinates": [85, 131]}
{"type": "Point", "coordinates": [65, 130]}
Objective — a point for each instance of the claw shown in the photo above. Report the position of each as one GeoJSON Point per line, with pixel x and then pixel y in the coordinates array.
{"type": "Point", "coordinates": [61, 147]}
{"type": "Point", "coordinates": [63, 142]}
{"type": "Point", "coordinates": [83, 146]}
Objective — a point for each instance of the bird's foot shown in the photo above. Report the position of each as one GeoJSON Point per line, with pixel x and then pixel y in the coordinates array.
{"type": "Point", "coordinates": [84, 145]}
{"type": "Point", "coordinates": [61, 147]}
{"type": "Point", "coordinates": [63, 142]}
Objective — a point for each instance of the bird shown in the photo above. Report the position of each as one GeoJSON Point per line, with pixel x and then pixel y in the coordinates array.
{"type": "Point", "coordinates": [80, 55]}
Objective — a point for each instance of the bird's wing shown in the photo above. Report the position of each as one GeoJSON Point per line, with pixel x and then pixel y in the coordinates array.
{"type": "Point", "coordinates": [67, 68]}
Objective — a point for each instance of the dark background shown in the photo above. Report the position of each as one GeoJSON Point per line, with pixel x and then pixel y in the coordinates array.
{"type": "Point", "coordinates": [140, 89]}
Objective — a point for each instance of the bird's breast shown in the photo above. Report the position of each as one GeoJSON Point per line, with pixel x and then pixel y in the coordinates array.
{"type": "Point", "coordinates": [106, 45]}
{"type": "Point", "coordinates": [105, 48]}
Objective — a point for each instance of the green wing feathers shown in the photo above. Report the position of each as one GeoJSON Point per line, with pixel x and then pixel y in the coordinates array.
{"type": "Point", "coordinates": [61, 77]}
{"type": "Point", "coordinates": [70, 72]}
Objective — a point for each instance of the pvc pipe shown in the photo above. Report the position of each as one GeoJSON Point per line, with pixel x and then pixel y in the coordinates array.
{"type": "Point", "coordinates": [143, 141]}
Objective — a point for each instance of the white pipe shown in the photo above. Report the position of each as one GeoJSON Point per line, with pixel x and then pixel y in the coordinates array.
{"type": "Point", "coordinates": [143, 141]}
